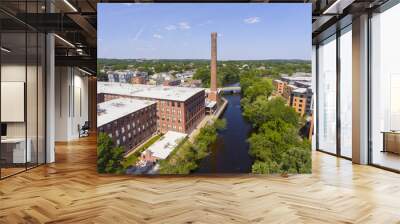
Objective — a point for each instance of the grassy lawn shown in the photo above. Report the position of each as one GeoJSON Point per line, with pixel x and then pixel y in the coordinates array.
{"type": "Point", "coordinates": [133, 158]}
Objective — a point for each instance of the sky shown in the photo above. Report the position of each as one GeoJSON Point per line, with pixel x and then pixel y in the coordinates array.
{"type": "Point", "coordinates": [182, 31]}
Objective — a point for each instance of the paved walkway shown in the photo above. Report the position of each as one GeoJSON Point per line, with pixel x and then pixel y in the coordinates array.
{"type": "Point", "coordinates": [209, 118]}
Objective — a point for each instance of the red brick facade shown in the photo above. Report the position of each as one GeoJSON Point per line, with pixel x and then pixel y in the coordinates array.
{"type": "Point", "coordinates": [133, 129]}
{"type": "Point", "coordinates": [175, 115]}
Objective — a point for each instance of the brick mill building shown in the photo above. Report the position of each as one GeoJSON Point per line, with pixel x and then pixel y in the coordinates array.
{"type": "Point", "coordinates": [128, 122]}
{"type": "Point", "coordinates": [178, 108]}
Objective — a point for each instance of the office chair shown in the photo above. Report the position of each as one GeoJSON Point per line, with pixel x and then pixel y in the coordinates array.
{"type": "Point", "coordinates": [84, 130]}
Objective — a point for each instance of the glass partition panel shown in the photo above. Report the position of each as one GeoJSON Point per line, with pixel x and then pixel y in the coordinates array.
{"type": "Point", "coordinates": [346, 92]}
{"type": "Point", "coordinates": [14, 154]}
{"type": "Point", "coordinates": [327, 95]}
{"type": "Point", "coordinates": [31, 98]}
{"type": "Point", "coordinates": [22, 66]}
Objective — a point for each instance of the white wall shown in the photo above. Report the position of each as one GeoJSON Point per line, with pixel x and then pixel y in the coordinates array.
{"type": "Point", "coordinates": [71, 102]}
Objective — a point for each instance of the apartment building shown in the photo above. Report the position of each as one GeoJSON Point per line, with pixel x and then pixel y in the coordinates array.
{"type": "Point", "coordinates": [178, 108]}
{"type": "Point", "coordinates": [297, 90]}
{"type": "Point", "coordinates": [279, 86]}
{"type": "Point", "coordinates": [129, 122]}
{"type": "Point", "coordinates": [287, 92]}
{"type": "Point", "coordinates": [301, 101]}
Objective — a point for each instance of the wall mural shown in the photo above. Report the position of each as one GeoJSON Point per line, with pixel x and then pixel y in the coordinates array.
{"type": "Point", "coordinates": [204, 88]}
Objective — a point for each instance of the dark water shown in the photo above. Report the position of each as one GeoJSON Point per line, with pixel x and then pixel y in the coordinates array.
{"type": "Point", "coordinates": [229, 154]}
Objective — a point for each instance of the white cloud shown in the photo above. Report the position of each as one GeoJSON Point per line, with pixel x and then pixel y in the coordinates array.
{"type": "Point", "coordinates": [170, 27]}
{"type": "Point", "coordinates": [138, 34]}
{"type": "Point", "coordinates": [158, 36]}
{"type": "Point", "coordinates": [184, 25]}
{"type": "Point", "coordinates": [252, 20]}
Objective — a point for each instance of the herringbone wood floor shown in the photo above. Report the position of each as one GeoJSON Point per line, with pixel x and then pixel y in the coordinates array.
{"type": "Point", "coordinates": [70, 191]}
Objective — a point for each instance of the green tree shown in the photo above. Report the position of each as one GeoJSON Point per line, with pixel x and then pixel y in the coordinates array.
{"type": "Point", "coordinates": [247, 79]}
{"type": "Point", "coordinates": [109, 158]}
{"type": "Point", "coordinates": [278, 148]}
{"type": "Point", "coordinates": [263, 110]}
{"type": "Point", "coordinates": [187, 155]}
{"type": "Point", "coordinates": [228, 74]}
{"type": "Point", "coordinates": [203, 74]}
{"type": "Point", "coordinates": [261, 87]}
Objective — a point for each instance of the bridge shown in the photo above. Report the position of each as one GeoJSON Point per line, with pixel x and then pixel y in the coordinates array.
{"type": "Point", "coordinates": [229, 89]}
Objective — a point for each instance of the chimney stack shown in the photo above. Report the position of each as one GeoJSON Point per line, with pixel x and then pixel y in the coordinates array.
{"type": "Point", "coordinates": [213, 95]}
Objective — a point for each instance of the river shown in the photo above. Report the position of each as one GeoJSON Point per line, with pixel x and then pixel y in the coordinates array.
{"type": "Point", "coordinates": [229, 154]}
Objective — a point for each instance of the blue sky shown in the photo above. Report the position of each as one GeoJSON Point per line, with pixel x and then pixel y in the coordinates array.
{"type": "Point", "coordinates": [182, 31]}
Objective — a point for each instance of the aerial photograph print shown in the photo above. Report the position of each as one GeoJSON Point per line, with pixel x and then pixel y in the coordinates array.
{"type": "Point", "coordinates": [207, 88]}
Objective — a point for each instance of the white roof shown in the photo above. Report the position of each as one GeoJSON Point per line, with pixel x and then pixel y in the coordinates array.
{"type": "Point", "coordinates": [210, 104]}
{"type": "Point", "coordinates": [292, 86]}
{"type": "Point", "coordinates": [175, 93]}
{"type": "Point", "coordinates": [163, 147]}
{"type": "Point", "coordinates": [298, 78]}
{"type": "Point", "coordinates": [114, 109]}
{"type": "Point", "coordinates": [300, 90]}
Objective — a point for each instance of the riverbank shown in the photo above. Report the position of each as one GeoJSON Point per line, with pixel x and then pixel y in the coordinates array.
{"type": "Point", "coordinates": [186, 157]}
{"type": "Point", "coordinates": [230, 152]}
{"type": "Point", "coordinates": [209, 118]}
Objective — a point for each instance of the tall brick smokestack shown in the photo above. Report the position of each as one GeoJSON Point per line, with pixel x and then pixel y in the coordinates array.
{"type": "Point", "coordinates": [213, 64]}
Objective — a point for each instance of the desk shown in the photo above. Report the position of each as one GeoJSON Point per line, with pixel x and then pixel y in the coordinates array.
{"type": "Point", "coordinates": [391, 141]}
{"type": "Point", "coordinates": [13, 150]}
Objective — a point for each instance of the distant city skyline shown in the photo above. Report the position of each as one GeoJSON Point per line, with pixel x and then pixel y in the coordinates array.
{"type": "Point", "coordinates": [182, 31]}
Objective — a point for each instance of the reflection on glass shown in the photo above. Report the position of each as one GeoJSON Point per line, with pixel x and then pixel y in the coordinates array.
{"type": "Point", "coordinates": [327, 96]}
{"type": "Point", "coordinates": [385, 89]}
{"type": "Point", "coordinates": [346, 93]}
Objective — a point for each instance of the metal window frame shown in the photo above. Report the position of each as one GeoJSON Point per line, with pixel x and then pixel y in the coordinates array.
{"type": "Point", "coordinates": [44, 74]}
{"type": "Point", "coordinates": [339, 32]}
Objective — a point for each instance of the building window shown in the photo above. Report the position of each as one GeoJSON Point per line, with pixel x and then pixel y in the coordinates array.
{"type": "Point", "coordinates": [385, 88]}
{"type": "Point", "coordinates": [346, 92]}
{"type": "Point", "coordinates": [327, 95]}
